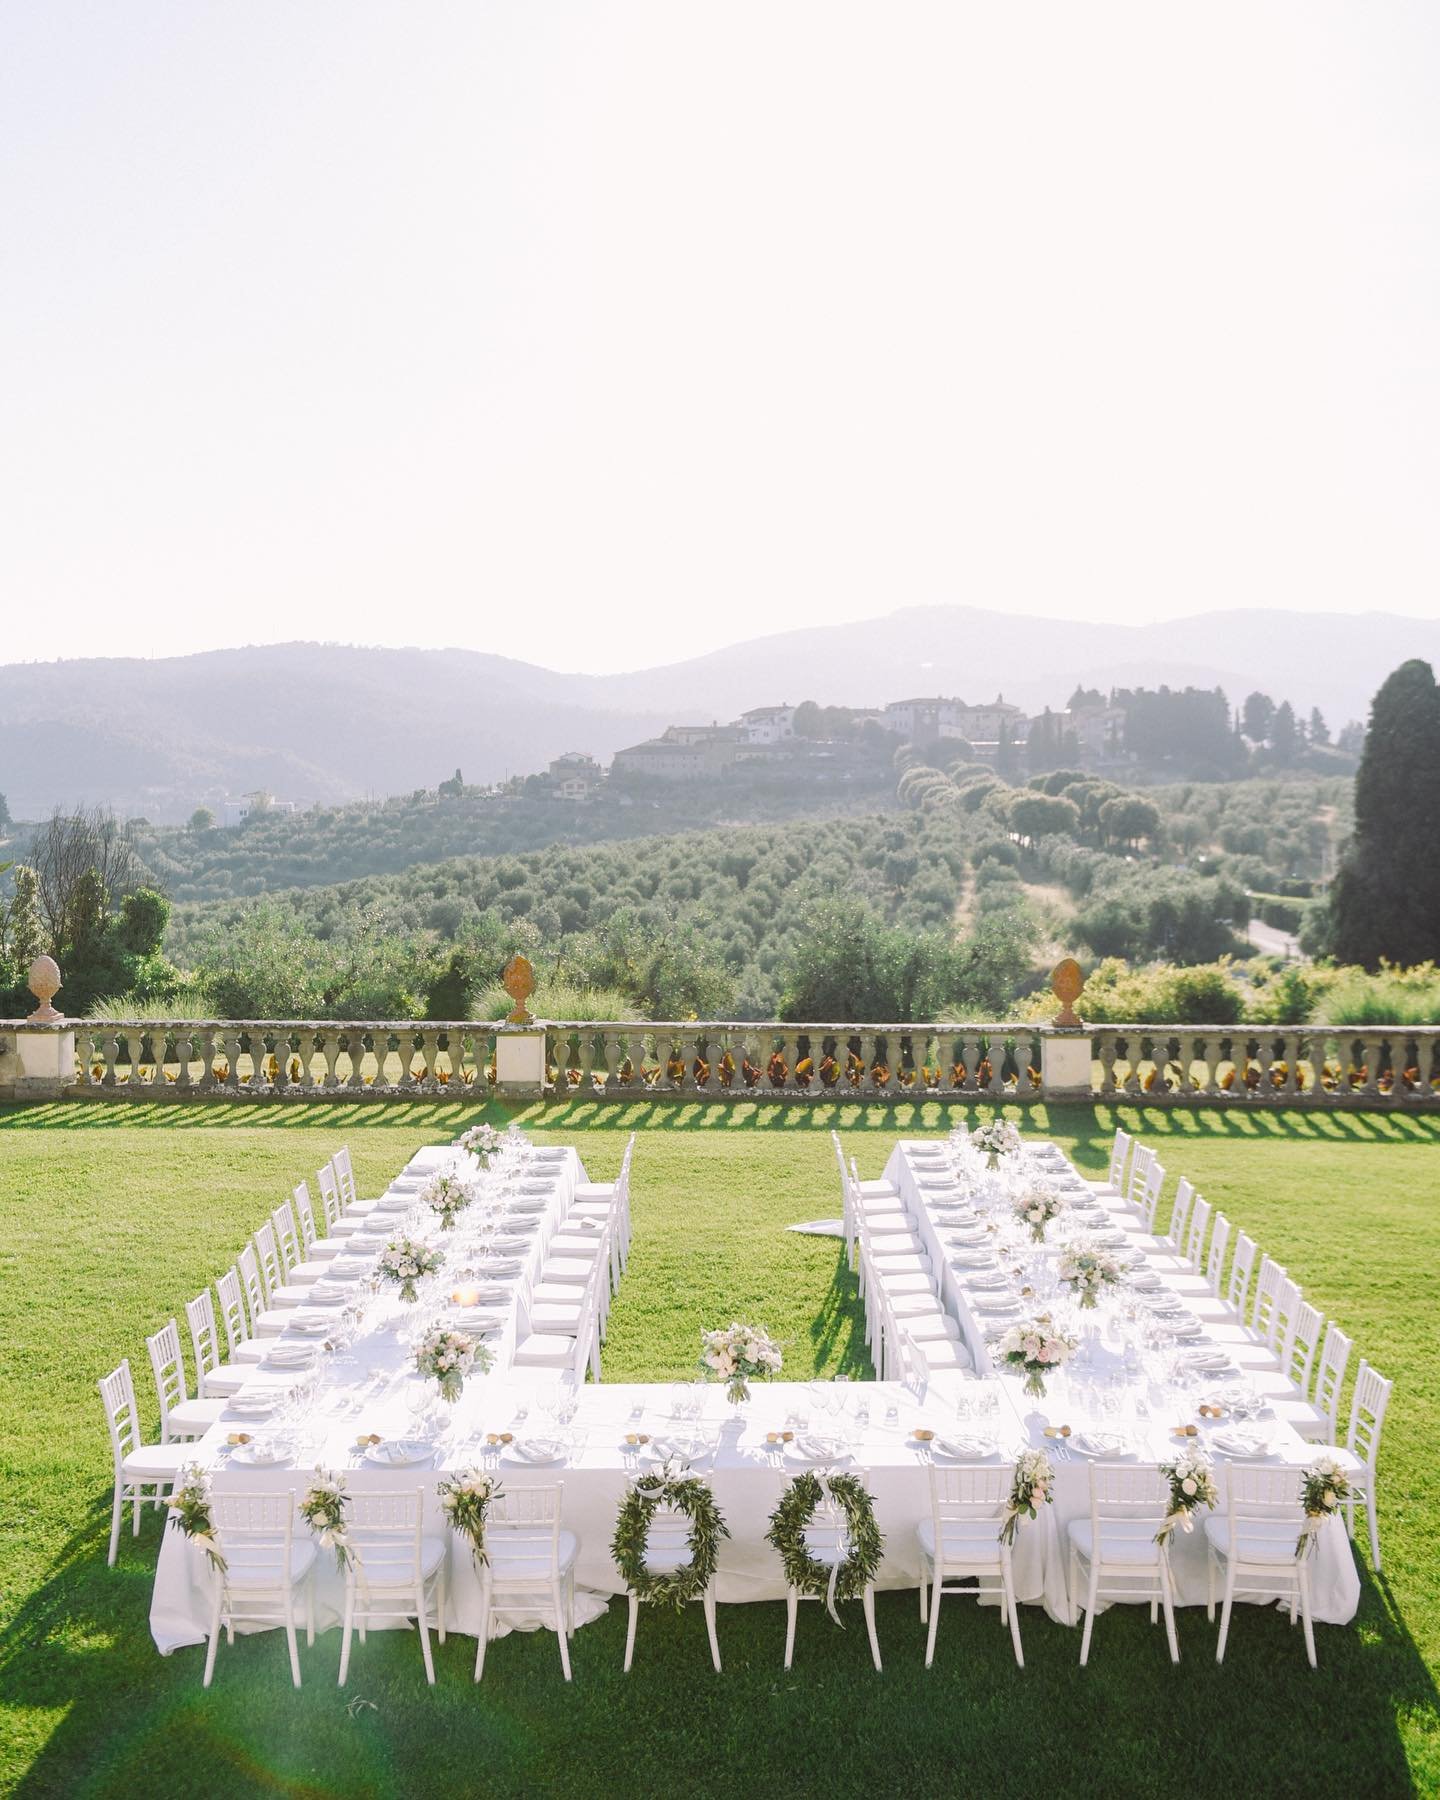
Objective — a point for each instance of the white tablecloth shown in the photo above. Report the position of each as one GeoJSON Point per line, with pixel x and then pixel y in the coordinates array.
{"type": "Point", "coordinates": [926, 1192]}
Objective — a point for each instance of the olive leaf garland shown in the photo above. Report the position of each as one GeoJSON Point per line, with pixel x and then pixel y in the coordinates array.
{"type": "Point", "coordinates": [797, 1508]}
{"type": "Point", "coordinates": [689, 1495]}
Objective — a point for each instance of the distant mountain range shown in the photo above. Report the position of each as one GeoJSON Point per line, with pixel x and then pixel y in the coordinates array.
{"type": "Point", "coordinates": [324, 722]}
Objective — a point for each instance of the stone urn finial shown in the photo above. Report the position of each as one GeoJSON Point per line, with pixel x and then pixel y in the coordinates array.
{"type": "Point", "coordinates": [44, 985]}
{"type": "Point", "coordinates": [1067, 984]}
{"type": "Point", "coordinates": [519, 983]}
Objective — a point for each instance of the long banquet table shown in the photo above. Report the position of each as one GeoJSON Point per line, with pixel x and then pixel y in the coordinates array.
{"type": "Point", "coordinates": [366, 1388]}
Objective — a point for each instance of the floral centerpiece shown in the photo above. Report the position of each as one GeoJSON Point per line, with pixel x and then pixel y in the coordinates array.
{"type": "Point", "coordinates": [448, 1356]}
{"type": "Point", "coordinates": [1037, 1348]}
{"type": "Point", "coordinates": [1088, 1269]}
{"type": "Point", "coordinates": [323, 1510]}
{"type": "Point", "coordinates": [998, 1138]}
{"type": "Point", "coordinates": [1192, 1484]}
{"type": "Point", "coordinates": [405, 1262]}
{"type": "Point", "coordinates": [1036, 1207]}
{"type": "Point", "coordinates": [190, 1513]}
{"type": "Point", "coordinates": [447, 1196]}
{"type": "Point", "coordinates": [467, 1498]}
{"type": "Point", "coordinates": [479, 1140]}
{"type": "Point", "coordinates": [1324, 1489]}
{"type": "Point", "coordinates": [738, 1355]}
{"type": "Point", "coordinates": [1032, 1488]}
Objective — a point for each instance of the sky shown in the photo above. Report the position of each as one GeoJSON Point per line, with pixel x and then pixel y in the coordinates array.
{"type": "Point", "coordinates": [602, 335]}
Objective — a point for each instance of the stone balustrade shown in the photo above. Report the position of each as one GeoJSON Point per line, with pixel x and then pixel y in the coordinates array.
{"type": "Point", "coordinates": [722, 1061]}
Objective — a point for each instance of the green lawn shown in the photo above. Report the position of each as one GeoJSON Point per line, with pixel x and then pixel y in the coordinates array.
{"type": "Point", "coordinates": [111, 1216]}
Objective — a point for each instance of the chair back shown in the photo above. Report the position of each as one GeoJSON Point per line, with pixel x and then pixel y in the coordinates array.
{"type": "Point", "coordinates": [329, 1195]}
{"type": "Point", "coordinates": [836, 1146]}
{"type": "Point", "coordinates": [305, 1213]}
{"type": "Point", "coordinates": [1141, 1163]}
{"type": "Point", "coordinates": [1151, 1189]}
{"type": "Point", "coordinates": [344, 1176]}
{"type": "Point", "coordinates": [526, 1521]}
{"type": "Point", "coordinates": [1255, 1491]}
{"type": "Point", "coordinates": [1195, 1235]}
{"type": "Point", "coordinates": [284, 1222]}
{"type": "Point", "coordinates": [1282, 1319]}
{"type": "Point", "coordinates": [622, 1180]}
{"type": "Point", "coordinates": [1334, 1359]}
{"type": "Point", "coordinates": [200, 1316]}
{"type": "Point", "coordinates": [1126, 1491]}
{"type": "Point", "coordinates": [1180, 1216]}
{"type": "Point", "coordinates": [1119, 1154]}
{"type": "Point", "coordinates": [232, 1310]}
{"type": "Point", "coordinates": [117, 1391]}
{"type": "Point", "coordinates": [668, 1546]}
{"type": "Point", "coordinates": [254, 1531]}
{"type": "Point", "coordinates": [1242, 1267]}
{"type": "Point", "coordinates": [1215, 1256]}
{"type": "Point", "coordinates": [1304, 1343]}
{"type": "Point", "coordinates": [254, 1287]}
{"type": "Point", "coordinates": [384, 1528]}
{"type": "Point", "coordinates": [169, 1373]}
{"type": "Point", "coordinates": [267, 1254]}
{"type": "Point", "coordinates": [978, 1492]}
{"type": "Point", "coordinates": [1367, 1414]}
{"type": "Point", "coordinates": [1267, 1289]}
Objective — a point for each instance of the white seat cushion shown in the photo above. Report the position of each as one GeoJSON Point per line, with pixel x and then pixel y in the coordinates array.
{"type": "Point", "coordinates": [1260, 1540]}
{"type": "Point", "coordinates": [195, 1417]}
{"type": "Point", "coordinates": [249, 1351]}
{"type": "Point", "coordinates": [905, 1282]}
{"type": "Point", "coordinates": [312, 1269]}
{"type": "Point", "coordinates": [157, 1462]}
{"type": "Point", "coordinates": [929, 1328]}
{"type": "Point", "coordinates": [511, 1561]}
{"type": "Point", "coordinates": [595, 1190]}
{"type": "Point", "coordinates": [879, 1190]}
{"type": "Point", "coordinates": [564, 1295]}
{"type": "Point", "coordinates": [889, 1224]}
{"type": "Point", "coordinates": [1121, 1540]}
{"type": "Point", "coordinates": [228, 1380]}
{"type": "Point", "coordinates": [569, 1243]}
{"type": "Point", "coordinates": [545, 1348]}
{"type": "Point", "coordinates": [564, 1320]}
{"type": "Point", "coordinates": [575, 1271]}
{"type": "Point", "coordinates": [962, 1540]}
{"type": "Point", "coordinates": [944, 1354]}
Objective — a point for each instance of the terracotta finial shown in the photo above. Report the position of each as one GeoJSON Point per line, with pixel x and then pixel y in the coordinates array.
{"type": "Point", "coordinates": [519, 983]}
{"type": "Point", "coordinates": [44, 985]}
{"type": "Point", "coordinates": [1067, 984]}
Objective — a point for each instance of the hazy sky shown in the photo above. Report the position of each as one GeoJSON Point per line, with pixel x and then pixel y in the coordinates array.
{"type": "Point", "coordinates": [605, 334]}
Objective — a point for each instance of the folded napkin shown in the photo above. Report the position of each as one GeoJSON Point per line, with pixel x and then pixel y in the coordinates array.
{"type": "Point", "coordinates": [966, 1448]}
{"type": "Point", "coordinates": [1238, 1441]}
{"type": "Point", "coordinates": [541, 1450]}
{"type": "Point", "coordinates": [1101, 1443]}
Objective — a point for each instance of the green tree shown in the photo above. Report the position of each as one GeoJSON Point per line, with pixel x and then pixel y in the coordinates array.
{"type": "Point", "coordinates": [1257, 716]}
{"type": "Point", "coordinates": [1319, 730]}
{"type": "Point", "coordinates": [5, 820]}
{"type": "Point", "coordinates": [1042, 815]}
{"type": "Point", "coordinates": [202, 819]}
{"type": "Point", "coordinates": [1383, 902]}
{"type": "Point", "coordinates": [1127, 818]}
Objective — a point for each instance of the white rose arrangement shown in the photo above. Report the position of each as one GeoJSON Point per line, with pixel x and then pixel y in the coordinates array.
{"type": "Point", "coordinates": [1088, 1269]}
{"type": "Point", "coordinates": [1192, 1485]}
{"type": "Point", "coordinates": [1035, 1207]}
{"type": "Point", "coordinates": [405, 1262]}
{"type": "Point", "coordinates": [447, 1196]}
{"type": "Point", "coordinates": [1037, 1348]}
{"type": "Point", "coordinates": [1324, 1489]}
{"type": "Point", "coordinates": [998, 1138]}
{"type": "Point", "coordinates": [738, 1355]}
{"type": "Point", "coordinates": [448, 1356]}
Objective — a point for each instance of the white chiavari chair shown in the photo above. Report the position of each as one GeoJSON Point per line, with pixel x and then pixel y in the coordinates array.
{"type": "Point", "coordinates": [180, 1416]}
{"type": "Point", "coordinates": [666, 1550]}
{"type": "Point", "coordinates": [879, 1199]}
{"type": "Point", "coordinates": [265, 1320]}
{"type": "Point", "coordinates": [1174, 1239]}
{"type": "Point", "coordinates": [1113, 1552]}
{"type": "Point", "coordinates": [137, 1466]}
{"type": "Point", "coordinates": [1195, 1235]}
{"type": "Point", "coordinates": [529, 1565]}
{"type": "Point", "coordinates": [1215, 1255]}
{"type": "Point", "coordinates": [827, 1538]}
{"type": "Point", "coordinates": [315, 1247]}
{"type": "Point", "coordinates": [1267, 1290]}
{"type": "Point", "coordinates": [1368, 1406]}
{"type": "Point", "coordinates": [1113, 1186]}
{"type": "Point", "coordinates": [549, 1337]}
{"type": "Point", "coordinates": [1254, 1540]}
{"type": "Point", "coordinates": [396, 1570]}
{"type": "Point", "coordinates": [280, 1294]}
{"type": "Point", "coordinates": [240, 1346]}
{"type": "Point", "coordinates": [1303, 1347]}
{"type": "Point", "coordinates": [266, 1569]}
{"type": "Point", "coordinates": [335, 1221]}
{"type": "Point", "coordinates": [1142, 1161]}
{"type": "Point", "coordinates": [352, 1206]}
{"type": "Point", "coordinates": [297, 1272]}
{"type": "Point", "coordinates": [1283, 1314]}
{"type": "Point", "coordinates": [204, 1341]}
{"type": "Point", "coordinates": [1321, 1424]}
{"type": "Point", "coordinates": [960, 1542]}
{"type": "Point", "coordinates": [1242, 1269]}
{"type": "Point", "coordinates": [1150, 1189]}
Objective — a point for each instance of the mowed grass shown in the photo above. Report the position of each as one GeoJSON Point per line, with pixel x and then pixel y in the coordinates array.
{"type": "Point", "coordinates": [112, 1216]}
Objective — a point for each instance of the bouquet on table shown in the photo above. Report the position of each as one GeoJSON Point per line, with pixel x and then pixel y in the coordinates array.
{"type": "Point", "coordinates": [738, 1355]}
{"type": "Point", "coordinates": [1036, 1207]}
{"type": "Point", "coordinates": [405, 1262]}
{"type": "Point", "coordinates": [1037, 1349]}
{"type": "Point", "coordinates": [479, 1140]}
{"type": "Point", "coordinates": [998, 1138]}
{"type": "Point", "coordinates": [447, 1196]}
{"type": "Point", "coordinates": [1089, 1269]}
{"type": "Point", "coordinates": [1032, 1488]}
{"type": "Point", "coordinates": [1192, 1484]}
{"type": "Point", "coordinates": [1325, 1487]}
{"type": "Point", "coordinates": [448, 1356]}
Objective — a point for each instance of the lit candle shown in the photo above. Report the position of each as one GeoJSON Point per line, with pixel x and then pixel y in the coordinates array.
{"type": "Point", "coordinates": [466, 1296]}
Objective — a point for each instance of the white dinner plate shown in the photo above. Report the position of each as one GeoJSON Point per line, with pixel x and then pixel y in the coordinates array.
{"type": "Point", "coordinates": [254, 1406]}
{"type": "Point", "coordinates": [538, 1453]}
{"type": "Point", "coordinates": [1101, 1445]}
{"type": "Point", "coordinates": [311, 1325]}
{"type": "Point", "coordinates": [400, 1453]}
{"type": "Point", "coordinates": [291, 1356]}
{"type": "Point", "coordinates": [960, 1448]}
{"type": "Point", "coordinates": [263, 1456]}
{"type": "Point", "coordinates": [805, 1451]}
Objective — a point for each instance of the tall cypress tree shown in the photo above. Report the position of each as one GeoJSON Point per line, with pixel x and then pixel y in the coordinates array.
{"type": "Point", "coordinates": [1385, 900]}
